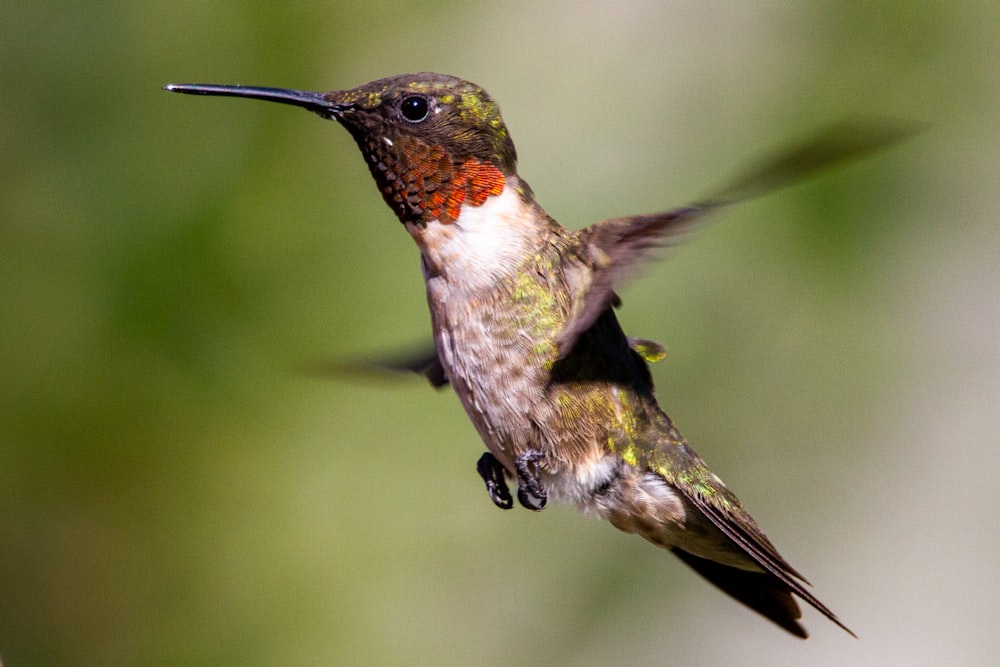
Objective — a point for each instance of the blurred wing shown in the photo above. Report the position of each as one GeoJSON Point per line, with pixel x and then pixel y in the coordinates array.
{"type": "Point", "coordinates": [423, 362]}
{"type": "Point", "coordinates": [613, 249]}
{"type": "Point", "coordinates": [426, 362]}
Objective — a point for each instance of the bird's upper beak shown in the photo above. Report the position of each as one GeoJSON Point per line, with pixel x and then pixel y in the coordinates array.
{"type": "Point", "coordinates": [324, 104]}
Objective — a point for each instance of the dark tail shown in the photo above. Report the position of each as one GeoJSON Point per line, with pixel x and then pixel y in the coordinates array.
{"type": "Point", "coordinates": [761, 591]}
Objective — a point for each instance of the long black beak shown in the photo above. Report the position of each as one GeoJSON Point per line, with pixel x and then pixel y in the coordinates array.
{"type": "Point", "coordinates": [316, 102]}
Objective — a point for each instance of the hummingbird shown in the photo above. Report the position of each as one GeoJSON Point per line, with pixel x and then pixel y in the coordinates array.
{"type": "Point", "coordinates": [525, 331]}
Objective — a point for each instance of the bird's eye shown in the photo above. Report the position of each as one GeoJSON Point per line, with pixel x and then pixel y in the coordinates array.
{"type": "Point", "coordinates": [414, 108]}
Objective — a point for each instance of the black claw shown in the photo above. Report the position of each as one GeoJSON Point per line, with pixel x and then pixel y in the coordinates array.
{"type": "Point", "coordinates": [531, 492]}
{"type": "Point", "coordinates": [492, 473]}
{"type": "Point", "coordinates": [529, 501]}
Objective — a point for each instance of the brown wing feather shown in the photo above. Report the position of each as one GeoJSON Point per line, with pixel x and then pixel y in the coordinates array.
{"type": "Point", "coordinates": [614, 248]}
{"type": "Point", "coordinates": [423, 362]}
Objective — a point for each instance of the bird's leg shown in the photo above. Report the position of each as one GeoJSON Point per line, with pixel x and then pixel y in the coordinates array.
{"type": "Point", "coordinates": [530, 491]}
{"type": "Point", "coordinates": [492, 473]}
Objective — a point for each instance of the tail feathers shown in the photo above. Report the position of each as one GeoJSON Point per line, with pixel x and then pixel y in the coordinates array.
{"type": "Point", "coordinates": [761, 591]}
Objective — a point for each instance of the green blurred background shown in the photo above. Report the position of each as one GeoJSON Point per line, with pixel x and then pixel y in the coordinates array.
{"type": "Point", "coordinates": [174, 491]}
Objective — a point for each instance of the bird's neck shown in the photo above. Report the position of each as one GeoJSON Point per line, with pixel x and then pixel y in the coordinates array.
{"type": "Point", "coordinates": [486, 242]}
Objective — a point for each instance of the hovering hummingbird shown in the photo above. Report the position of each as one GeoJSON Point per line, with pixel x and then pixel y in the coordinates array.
{"type": "Point", "coordinates": [526, 334]}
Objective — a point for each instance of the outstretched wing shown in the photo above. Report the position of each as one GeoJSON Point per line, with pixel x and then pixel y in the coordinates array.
{"type": "Point", "coordinates": [423, 362]}
{"type": "Point", "coordinates": [614, 248]}
{"type": "Point", "coordinates": [426, 362]}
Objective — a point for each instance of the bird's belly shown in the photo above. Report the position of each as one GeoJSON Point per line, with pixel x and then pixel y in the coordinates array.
{"type": "Point", "coordinates": [497, 354]}
{"type": "Point", "coordinates": [499, 390]}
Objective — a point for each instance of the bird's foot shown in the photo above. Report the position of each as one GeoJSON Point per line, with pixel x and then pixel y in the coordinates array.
{"type": "Point", "coordinates": [492, 473]}
{"type": "Point", "coordinates": [530, 491]}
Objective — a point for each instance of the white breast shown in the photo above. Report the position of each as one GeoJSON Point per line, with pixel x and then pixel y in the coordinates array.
{"type": "Point", "coordinates": [484, 243]}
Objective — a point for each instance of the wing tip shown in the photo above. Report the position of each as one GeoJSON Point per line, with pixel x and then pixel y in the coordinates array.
{"type": "Point", "coordinates": [760, 591]}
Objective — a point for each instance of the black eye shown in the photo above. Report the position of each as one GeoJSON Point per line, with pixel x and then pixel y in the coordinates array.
{"type": "Point", "coordinates": [414, 108]}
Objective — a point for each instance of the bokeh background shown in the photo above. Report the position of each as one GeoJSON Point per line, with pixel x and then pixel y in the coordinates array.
{"type": "Point", "coordinates": [174, 490]}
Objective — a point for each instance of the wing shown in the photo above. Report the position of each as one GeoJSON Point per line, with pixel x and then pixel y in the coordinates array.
{"type": "Point", "coordinates": [421, 362]}
{"type": "Point", "coordinates": [425, 362]}
{"type": "Point", "coordinates": [613, 249]}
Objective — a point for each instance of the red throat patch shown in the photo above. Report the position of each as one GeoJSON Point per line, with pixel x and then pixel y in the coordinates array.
{"type": "Point", "coordinates": [429, 185]}
{"type": "Point", "coordinates": [472, 182]}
